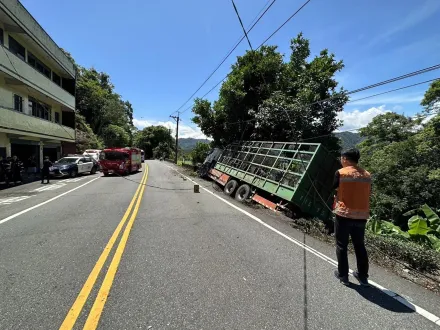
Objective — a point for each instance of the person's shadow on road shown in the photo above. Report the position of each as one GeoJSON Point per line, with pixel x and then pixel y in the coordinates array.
{"type": "Point", "coordinates": [382, 299]}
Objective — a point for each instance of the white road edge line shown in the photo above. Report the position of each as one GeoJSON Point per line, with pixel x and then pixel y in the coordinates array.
{"type": "Point", "coordinates": [45, 202]}
{"type": "Point", "coordinates": [419, 310]}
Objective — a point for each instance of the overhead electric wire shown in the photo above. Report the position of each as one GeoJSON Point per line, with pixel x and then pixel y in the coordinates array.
{"type": "Point", "coordinates": [282, 25]}
{"type": "Point", "coordinates": [228, 54]}
{"type": "Point", "coordinates": [356, 91]}
{"type": "Point", "coordinates": [241, 23]}
{"type": "Point", "coordinates": [408, 75]}
{"type": "Point", "coordinates": [267, 39]}
{"type": "Point", "coordinates": [393, 90]}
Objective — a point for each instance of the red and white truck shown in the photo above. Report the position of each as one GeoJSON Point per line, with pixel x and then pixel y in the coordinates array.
{"type": "Point", "coordinates": [122, 161]}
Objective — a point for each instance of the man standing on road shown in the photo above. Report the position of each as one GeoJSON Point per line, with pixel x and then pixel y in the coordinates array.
{"type": "Point", "coordinates": [352, 209]}
{"type": "Point", "coordinates": [45, 171]}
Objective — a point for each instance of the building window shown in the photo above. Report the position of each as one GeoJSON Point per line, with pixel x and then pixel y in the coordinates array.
{"type": "Point", "coordinates": [18, 103]}
{"type": "Point", "coordinates": [57, 117]}
{"type": "Point", "coordinates": [56, 79]}
{"type": "Point", "coordinates": [16, 48]}
{"type": "Point", "coordinates": [38, 65]}
{"type": "Point", "coordinates": [39, 109]}
{"type": "Point", "coordinates": [1, 36]}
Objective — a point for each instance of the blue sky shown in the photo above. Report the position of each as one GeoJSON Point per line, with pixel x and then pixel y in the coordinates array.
{"type": "Point", "coordinates": [158, 52]}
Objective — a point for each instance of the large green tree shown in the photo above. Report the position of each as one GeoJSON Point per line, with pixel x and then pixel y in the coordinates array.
{"type": "Point", "coordinates": [101, 107]}
{"type": "Point", "coordinates": [266, 98]}
{"type": "Point", "coordinates": [155, 141]}
{"type": "Point", "coordinates": [403, 156]}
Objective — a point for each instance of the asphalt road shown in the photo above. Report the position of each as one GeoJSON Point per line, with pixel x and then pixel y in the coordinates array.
{"type": "Point", "coordinates": [181, 261]}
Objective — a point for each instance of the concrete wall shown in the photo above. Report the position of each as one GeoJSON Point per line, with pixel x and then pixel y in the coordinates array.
{"type": "Point", "coordinates": [25, 20]}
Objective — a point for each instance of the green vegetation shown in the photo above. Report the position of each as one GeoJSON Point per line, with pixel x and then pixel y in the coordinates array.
{"type": "Point", "coordinates": [266, 98]}
{"type": "Point", "coordinates": [403, 155]}
{"type": "Point", "coordinates": [198, 154]}
{"type": "Point", "coordinates": [423, 228]}
{"type": "Point", "coordinates": [104, 119]}
{"type": "Point", "coordinates": [156, 141]}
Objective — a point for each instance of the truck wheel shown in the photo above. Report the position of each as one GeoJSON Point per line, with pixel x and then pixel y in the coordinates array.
{"type": "Point", "coordinates": [230, 187]}
{"type": "Point", "coordinates": [243, 193]}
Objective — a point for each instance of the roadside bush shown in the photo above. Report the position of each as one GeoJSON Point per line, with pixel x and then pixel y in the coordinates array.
{"type": "Point", "coordinates": [381, 248]}
{"type": "Point", "coordinates": [415, 255]}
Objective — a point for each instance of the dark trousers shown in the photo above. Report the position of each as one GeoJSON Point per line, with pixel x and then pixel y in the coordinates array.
{"type": "Point", "coordinates": [344, 228]}
{"type": "Point", "coordinates": [44, 175]}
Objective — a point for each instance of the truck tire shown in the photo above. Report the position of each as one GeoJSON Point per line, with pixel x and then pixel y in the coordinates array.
{"type": "Point", "coordinates": [230, 187]}
{"type": "Point", "coordinates": [243, 193]}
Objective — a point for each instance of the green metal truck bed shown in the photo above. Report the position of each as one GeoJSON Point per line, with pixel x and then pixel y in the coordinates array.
{"type": "Point", "coordinates": [294, 172]}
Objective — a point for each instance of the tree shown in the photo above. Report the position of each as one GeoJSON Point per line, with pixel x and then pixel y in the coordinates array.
{"type": "Point", "coordinates": [384, 130]}
{"type": "Point", "coordinates": [431, 100]}
{"type": "Point", "coordinates": [100, 105]}
{"type": "Point", "coordinates": [403, 156]}
{"type": "Point", "coordinates": [115, 136]}
{"type": "Point", "coordinates": [266, 98]}
{"type": "Point", "coordinates": [154, 140]}
{"type": "Point", "coordinates": [198, 154]}
{"type": "Point", "coordinates": [85, 138]}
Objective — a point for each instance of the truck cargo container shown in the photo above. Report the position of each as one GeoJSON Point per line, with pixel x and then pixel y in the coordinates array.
{"type": "Point", "coordinates": [291, 176]}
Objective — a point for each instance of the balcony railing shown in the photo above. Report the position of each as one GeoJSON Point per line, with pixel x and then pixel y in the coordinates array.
{"type": "Point", "coordinates": [29, 125]}
{"type": "Point", "coordinates": [22, 71]}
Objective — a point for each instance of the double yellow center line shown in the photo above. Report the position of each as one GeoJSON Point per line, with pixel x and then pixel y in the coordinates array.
{"type": "Point", "coordinates": [98, 305]}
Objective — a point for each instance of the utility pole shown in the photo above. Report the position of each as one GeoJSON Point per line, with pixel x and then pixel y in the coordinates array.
{"type": "Point", "coordinates": [177, 119]}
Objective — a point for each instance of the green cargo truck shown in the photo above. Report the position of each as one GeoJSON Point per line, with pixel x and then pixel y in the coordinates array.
{"type": "Point", "coordinates": [296, 177]}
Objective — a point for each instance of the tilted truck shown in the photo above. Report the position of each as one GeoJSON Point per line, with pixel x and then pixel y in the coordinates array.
{"type": "Point", "coordinates": [289, 176]}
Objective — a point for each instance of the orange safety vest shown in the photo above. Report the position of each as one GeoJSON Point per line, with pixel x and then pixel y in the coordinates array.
{"type": "Point", "coordinates": [353, 198]}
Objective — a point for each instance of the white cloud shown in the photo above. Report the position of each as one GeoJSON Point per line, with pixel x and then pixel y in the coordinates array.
{"type": "Point", "coordinates": [356, 119]}
{"type": "Point", "coordinates": [185, 131]}
{"type": "Point", "coordinates": [423, 12]}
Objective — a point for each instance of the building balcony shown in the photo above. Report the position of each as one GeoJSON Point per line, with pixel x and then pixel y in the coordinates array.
{"type": "Point", "coordinates": [22, 73]}
{"type": "Point", "coordinates": [18, 123]}
{"type": "Point", "coordinates": [23, 22]}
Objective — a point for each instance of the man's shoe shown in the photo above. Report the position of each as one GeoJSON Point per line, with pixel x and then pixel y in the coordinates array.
{"type": "Point", "coordinates": [362, 281]}
{"type": "Point", "coordinates": [342, 279]}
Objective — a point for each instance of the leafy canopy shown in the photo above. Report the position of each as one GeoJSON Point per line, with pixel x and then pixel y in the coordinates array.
{"type": "Point", "coordinates": [156, 141]}
{"type": "Point", "coordinates": [268, 99]}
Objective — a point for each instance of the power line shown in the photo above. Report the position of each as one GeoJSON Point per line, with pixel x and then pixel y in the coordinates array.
{"type": "Point", "coordinates": [393, 90]}
{"type": "Point", "coordinates": [267, 39]}
{"type": "Point", "coordinates": [228, 54]}
{"type": "Point", "coordinates": [362, 89]}
{"type": "Point", "coordinates": [408, 75]}
{"type": "Point", "coordinates": [282, 25]}
{"type": "Point", "coordinates": [241, 23]}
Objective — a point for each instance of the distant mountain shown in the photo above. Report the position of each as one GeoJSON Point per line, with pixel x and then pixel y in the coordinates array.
{"type": "Point", "coordinates": [188, 144]}
{"type": "Point", "coordinates": [349, 139]}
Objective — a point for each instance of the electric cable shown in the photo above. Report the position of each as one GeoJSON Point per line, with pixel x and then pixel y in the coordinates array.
{"type": "Point", "coordinates": [257, 18]}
